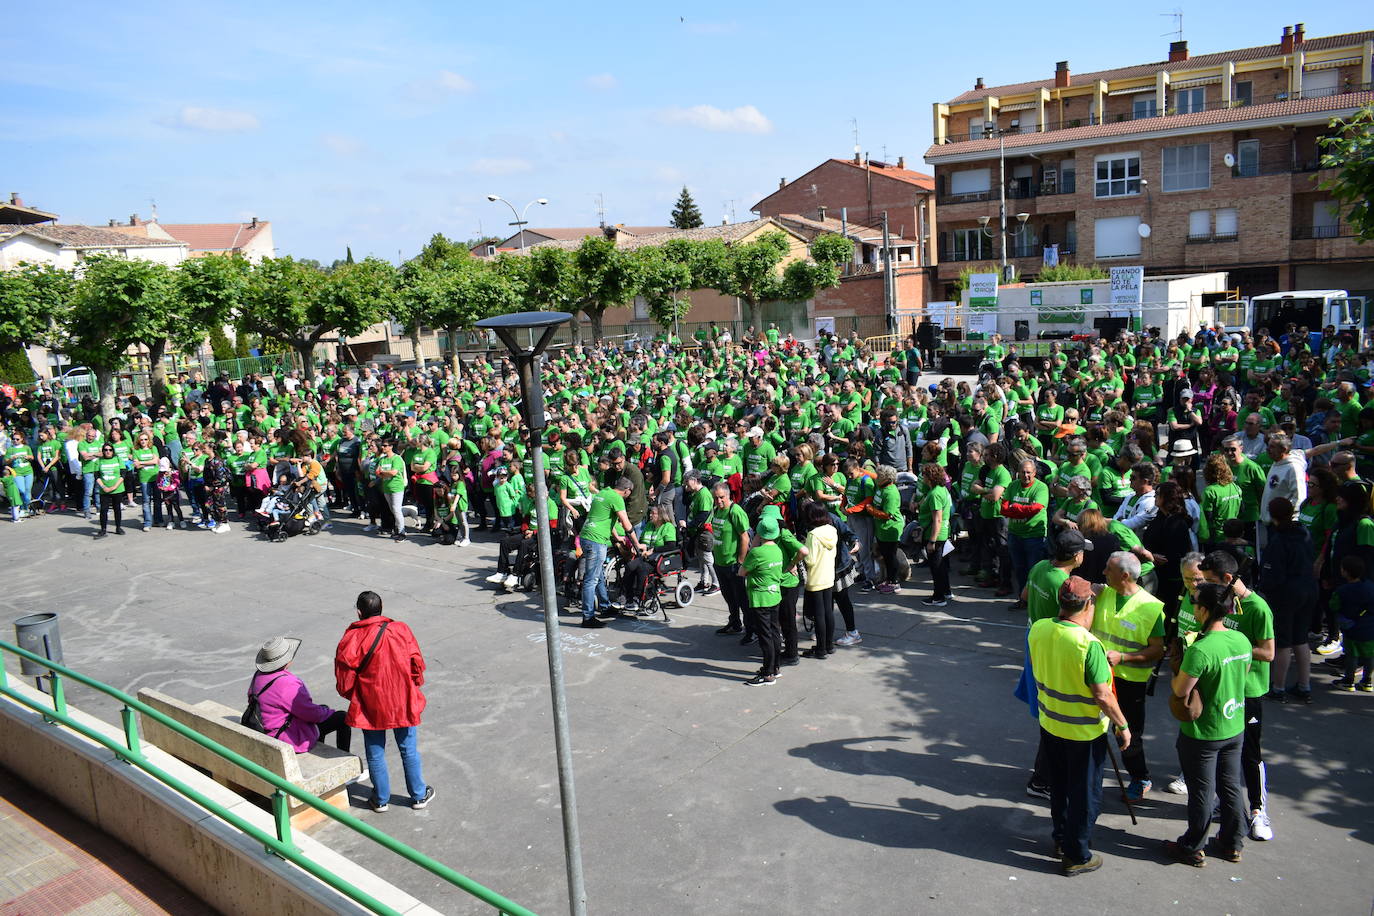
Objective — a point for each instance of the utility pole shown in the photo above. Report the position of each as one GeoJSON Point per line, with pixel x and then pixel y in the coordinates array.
{"type": "Point", "coordinates": [889, 281]}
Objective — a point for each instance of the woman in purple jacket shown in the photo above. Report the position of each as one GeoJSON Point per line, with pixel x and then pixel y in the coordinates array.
{"type": "Point", "coordinates": [288, 713]}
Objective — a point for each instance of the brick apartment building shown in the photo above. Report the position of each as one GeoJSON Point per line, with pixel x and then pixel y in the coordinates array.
{"type": "Point", "coordinates": [1216, 153]}
{"type": "Point", "coordinates": [863, 189]}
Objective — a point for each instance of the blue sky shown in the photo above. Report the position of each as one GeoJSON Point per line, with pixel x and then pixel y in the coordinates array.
{"type": "Point", "coordinates": [377, 125]}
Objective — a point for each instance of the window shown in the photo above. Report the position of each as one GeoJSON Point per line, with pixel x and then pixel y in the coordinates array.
{"type": "Point", "coordinates": [1321, 83]}
{"type": "Point", "coordinates": [1325, 220]}
{"type": "Point", "coordinates": [1186, 168]}
{"type": "Point", "coordinates": [1068, 176]}
{"type": "Point", "coordinates": [971, 181]}
{"type": "Point", "coordinates": [1245, 93]}
{"type": "Point", "coordinates": [1118, 175]}
{"type": "Point", "coordinates": [1247, 158]}
{"type": "Point", "coordinates": [977, 129]}
{"type": "Point", "coordinates": [1070, 237]}
{"type": "Point", "coordinates": [1200, 224]}
{"type": "Point", "coordinates": [1117, 237]}
{"type": "Point", "coordinates": [971, 245]}
{"type": "Point", "coordinates": [1228, 225]}
{"type": "Point", "coordinates": [1143, 108]}
{"type": "Point", "coordinates": [1187, 101]}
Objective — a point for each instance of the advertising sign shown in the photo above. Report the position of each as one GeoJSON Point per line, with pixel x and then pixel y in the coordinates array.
{"type": "Point", "coordinates": [1128, 290]}
{"type": "Point", "coordinates": [982, 291]}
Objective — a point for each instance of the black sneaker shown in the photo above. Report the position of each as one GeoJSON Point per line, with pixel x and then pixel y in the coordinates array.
{"type": "Point", "coordinates": [377, 805]}
{"type": "Point", "coordinates": [1035, 790]}
{"type": "Point", "coordinates": [608, 615]}
{"type": "Point", "coordinates": [1082, 868]}
{"type": "Point", "coordinates": [729, 630]}
{"type": "Point", "coordinates": [429, 796]}
{"type": "Point", "coordinates": [760, 680]}
{"type": "Point", "coordinates": [748, 639]}
{"type": "Point", "coordinates": [787, 661]}
{"type": "Point", "coordinates": [710, 590]}
{"type": "Point", "coordinates": [593, 623]}
{"type": "Point", "coordinates": [935, 602]}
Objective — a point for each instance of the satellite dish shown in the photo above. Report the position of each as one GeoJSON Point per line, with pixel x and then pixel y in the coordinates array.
{"type": "Point", "coordinates": [1144, 230]}
{"type": "Point", "coordinates": [1230, 160]}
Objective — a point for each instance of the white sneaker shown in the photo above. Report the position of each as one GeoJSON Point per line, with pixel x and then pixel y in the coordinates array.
{"type": "Point", "coordinates": [168, 526]}
{"type": "Point", "coordinates": [17, 520]}
{"type": "Point", "coordinates": [1178, 786]}
{"type": "Point", "coordinates": [1260, 828]}
{"type": "Point", "coordinates": [221, 527]}
{"type": "Point", "coordinates": [1329, 647]}
{"type": "Point", "coordinates": [512, 581]}
{"type": "Point", "coordinates": [465, 543]}
{"type": "Point", "coordinates": [852, 638]}
{"type": "Point", "coordinates": [495, 579]}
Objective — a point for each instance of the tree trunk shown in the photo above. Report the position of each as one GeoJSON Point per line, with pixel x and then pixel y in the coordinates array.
{"type": "Point", "coordinates": [455, 361]}
{"type": "Point", "coordinates": [157, 372]}
{"type": "Point", "coordinates": [755, 316]}
{"type": "Point", "coordinates": [575, 325]}
{"type": "Point", "coordinates": [105, 386]}
{"type": "Point", "coordinates": [305, 352]}
{"type": "Point", "coordinates": [596, 325]}
{"type": "Point", "coordinates": [415, 345]}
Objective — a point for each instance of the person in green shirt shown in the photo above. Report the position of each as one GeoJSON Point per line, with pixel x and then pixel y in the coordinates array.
{"type": "Point", "coordinates": [1255, 621]}
{"type": "Point", "coordinates": [1025, 505]}
{"type": "Point", "coordinates": [887, 529]}
{"type": "Point", "coordinates": [763, 570]}
{"type": "Point", "coordinates": [730, 544]}
{"type": "Point", "coordinates": [660, 536]}
{"type": "Point", "coordinates": [89, 451]}
{"type": "Point", "coordinates": [18, 464]}
{"type": "Point", "coordinates": [934, 513]}
{"type": "Point", "coordinates": [391, 476]}
{"type": "Point", "coordinates": [1041, 595]}
{"type": "Point", "coordinates": [1220, 502]}
{"type": "Point", "coordinates": [1217, 665]}
{"type": "Point", "coordinates": [145, 463]}
{"type": "Point", "coordinates": [110, 479]}
{"type": "Point", "coordinates": [696, 536]}
{"type": "Point", "coordinates": [990, 557]}
{"type": "Point", "coordinates": [607, 508]}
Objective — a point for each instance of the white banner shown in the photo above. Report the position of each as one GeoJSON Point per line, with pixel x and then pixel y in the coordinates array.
{"type": "Point", "coordinates": [1128, 288]}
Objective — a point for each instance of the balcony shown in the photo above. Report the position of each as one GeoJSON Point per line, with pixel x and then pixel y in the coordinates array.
{"type": "Point", "coordinates": [1326, 231]}
{"type": "Point", "coordinates": [1212, 238]}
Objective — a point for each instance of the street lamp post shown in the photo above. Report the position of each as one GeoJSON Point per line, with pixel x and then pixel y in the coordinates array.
{"type": "Point", "coordinates": [520, 221]}
{"type": "Point", "coordinates": [532, 398]}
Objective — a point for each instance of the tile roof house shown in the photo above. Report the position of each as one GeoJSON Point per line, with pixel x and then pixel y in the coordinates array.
{"type": "Point", "coordinates": [573, 234]}
{"type": "Point", "coordinates": [252, 240]}
{"type": "Point", "coordinates": [67, 246]}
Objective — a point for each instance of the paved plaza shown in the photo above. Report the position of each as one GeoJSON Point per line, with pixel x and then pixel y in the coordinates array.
{"type": "Point", "coordinates": [888, 778]}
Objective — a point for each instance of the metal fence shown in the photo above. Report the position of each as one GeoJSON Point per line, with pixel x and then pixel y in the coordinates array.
{"type": "Point", "coordinates": [279, 841]}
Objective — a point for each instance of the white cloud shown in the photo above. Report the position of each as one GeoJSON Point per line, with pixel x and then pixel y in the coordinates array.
{"type": "Point", "coordinates": [192, 117]}
{"type": "Point", "coordinates": [746, 119]}
{"type": "Point", "coordinates": [342, 144]}
{"type": "Point", "coordinates": [498, 167]}
{"type": "Point", "coordinates": [440, 86]}
{"type": "Point", "coordinates": [602, 81]}
{"type": "Point", "coordinates": [668, 173]}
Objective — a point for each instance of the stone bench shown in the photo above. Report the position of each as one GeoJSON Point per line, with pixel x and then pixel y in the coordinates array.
{"type": "Point", "coordinates": [324, 771]}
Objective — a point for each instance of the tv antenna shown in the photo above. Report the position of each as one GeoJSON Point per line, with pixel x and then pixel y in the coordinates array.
{"type": "Point", "coordinates": [1177, 32]}
{"type": "Point", "coordinates": [854, 125]}
{"type": "Point", "coordinates": [153, 202]}
{"type": "Point", "coordinates": [601, 209]}
{"type": "Point", "coordinates": [729, 206]}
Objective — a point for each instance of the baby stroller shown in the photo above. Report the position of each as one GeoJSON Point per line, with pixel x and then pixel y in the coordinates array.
{"type": "Point", "coordinates": [665, 583]}
{"type": "Point", "coordinates": [286, 512]}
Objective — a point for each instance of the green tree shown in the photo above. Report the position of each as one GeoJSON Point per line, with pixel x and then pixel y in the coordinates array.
{"type": "Point", "coordinates": [242, 347]}
{"type": "Point", "coordinates": [221, 347]}
{"type": "Point", "coordinates": [604, 277]}
{"type": "Point", "coordinates": [117, 304]}
{"type": "Point", "coordinates": [32, 299]}
{"type": "Point", "coordinates": [752, 274]}
{"type": "Point", "coordinates": [662, 283]}
{"type": "Point", "coordinates": [298, 306]}
{"type": "Point", "coordinates": [686, 214]}
{"type": "Point", "coordinates": [1077, 273]}
{"type": "Point", "coordinates": [1350, 148]}
{"type": "Point", "coordinates": [420, 278]}
{"type": "Point", "coordinates": [550, 281]}
{"type": "Point", "coordinates": [208, 289]}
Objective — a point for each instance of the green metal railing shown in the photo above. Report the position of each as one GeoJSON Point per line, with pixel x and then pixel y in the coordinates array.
{"type": "Point", "coordinates": [278, 843]}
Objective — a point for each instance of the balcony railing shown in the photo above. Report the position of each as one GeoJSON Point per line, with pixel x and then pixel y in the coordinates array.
{"type": "Point", "coordinates": [1036, 250]}
{"type": "Point", "coordinates": [1212, 237]}
{"type": "Point", "coordinates": [1326, 231]}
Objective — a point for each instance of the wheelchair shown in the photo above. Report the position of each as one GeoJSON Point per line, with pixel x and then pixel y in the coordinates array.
{"type": "Point", "coordinates": [665, 584]}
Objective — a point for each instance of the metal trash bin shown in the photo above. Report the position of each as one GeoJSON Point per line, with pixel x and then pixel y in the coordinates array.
{"type": "Point", "coordinates": [37, 633]}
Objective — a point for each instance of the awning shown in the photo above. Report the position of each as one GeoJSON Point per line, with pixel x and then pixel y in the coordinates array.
{"type": "Point", "coordinates": [1332, 64]}
{"type": "Point", "coordinates": [1135, 91]}
{"type": "Point", "coordinates": [1020, 106]}
{"type": "Point", "coordinates": [1189, 84]}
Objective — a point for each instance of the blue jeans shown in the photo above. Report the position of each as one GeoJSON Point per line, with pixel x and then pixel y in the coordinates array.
{"type": "Point", "coordinates": [23, 483]}
{"type": "Point", "coordinates": [88, 479]}
{"type": "Point", "coordinates": [148, 493]}
{"type": "Point", "coordinates": [593, 578]}
{"type": "Point", "coordinates": [374, 742]}
{"type": "Point", "coordinates": [1075, 771]}
{"type": "Point", "coordinates": [1025, 553]}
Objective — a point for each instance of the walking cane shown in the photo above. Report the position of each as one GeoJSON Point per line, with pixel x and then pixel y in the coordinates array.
{"type": "Point", "coordinates": [1111, 752]}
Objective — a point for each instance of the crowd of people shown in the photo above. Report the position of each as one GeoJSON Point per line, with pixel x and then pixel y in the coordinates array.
{"type": "Point", "coordinates": [783, 472]}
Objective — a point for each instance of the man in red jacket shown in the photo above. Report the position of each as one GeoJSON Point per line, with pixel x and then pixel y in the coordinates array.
{"type": "Point", "coordinates": [379, 670]}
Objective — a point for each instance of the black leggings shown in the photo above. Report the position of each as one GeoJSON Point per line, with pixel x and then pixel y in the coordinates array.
{"type": "Point", "coordinates": [787, 621]}
{"type": "Point", "coordinates": [888, 551]}
{"type": "Point", "coordinates": [821, 604]}
{"type": "Point", "coordinates": [336, 726]}
{"type": "Point", "coordinates": [846, 609]}
{"type": "Point", "coordinates": [107, 502]}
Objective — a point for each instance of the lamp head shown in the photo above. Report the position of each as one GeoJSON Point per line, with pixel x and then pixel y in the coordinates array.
{"type": "Point", "coordinates": [493, 198]}
{"type": "Point", "coordinates": [1022, 217]}
{"type": "Point", "coordinates": [983, 221]}
{"type": "Point", "coordinates": [542, 201]}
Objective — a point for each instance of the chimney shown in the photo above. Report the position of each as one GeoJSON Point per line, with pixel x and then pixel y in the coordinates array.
{"type": "Point", "coordinates": [254, 223]}
{"type": "Point", "coordinates": [133, 220]}
{"type": "Point", "coordinates": [1061, 75]}
{"type": "Point", "coordinates": [112, 223]}
{"type": "Point", "coordinates": [821, 211]}
{"type": "Point", "coordinates": [1297, 35]}
{"type": "Point", "coordinates": [1178, 50]}
{"type": "Point", "coordinates": [782, 183]}
{"type": "Point", "coordinates": [978, 83]}
{"type": "Point", "coordinates": [1286, 42]}
{"type": "Point", "coordinates": [16, 199]}
{"type": "Point", "coordinates": [901, 162]}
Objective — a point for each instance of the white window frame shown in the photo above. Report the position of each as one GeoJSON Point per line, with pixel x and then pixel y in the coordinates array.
{"type": "Point", "coordinates": [1190, 101]}
{"type": "Point", "coordinates": [1193, 173]}
{"type": "Point", "coordinates": [983, 186]}
{"type": "Point", "coordinates": [1128, 182]}
{"type": "Point", "coordinates": [1199, 224]}
{"type": "Point", "coordinates": [973, 240]}
{"type": "Point", "coordinates": [1243, 98]}
{"type": "Point", "coordinates": [1143, 106]}
{"type": "Point", "coordinates": [1227, 221]}
{"type": "Point", "coordinates": [1242, 146]}
{"type": "Point", "coordinates": [1130, 235]}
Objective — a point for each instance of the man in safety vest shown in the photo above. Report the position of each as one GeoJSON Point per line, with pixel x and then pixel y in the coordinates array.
{"type": "Point", "coordinates": [1074, 689]}
{"type": "Point", "coordinates": [1130, 623]}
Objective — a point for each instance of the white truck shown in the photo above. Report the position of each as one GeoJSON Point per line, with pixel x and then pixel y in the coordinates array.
{"type": "Point", "coordinates": [1314, 309]}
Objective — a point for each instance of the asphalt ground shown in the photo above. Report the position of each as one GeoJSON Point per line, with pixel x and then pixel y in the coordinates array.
{"type": "Point", "coordinates": [888, 778]}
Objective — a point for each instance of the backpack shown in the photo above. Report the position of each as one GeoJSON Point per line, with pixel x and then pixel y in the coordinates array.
{"type": "Point", "coordinates": [252, 713]}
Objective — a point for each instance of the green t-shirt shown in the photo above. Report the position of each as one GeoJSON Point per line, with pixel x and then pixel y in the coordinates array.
{"type": "Point", "coordinates": [665, 535]}
{"type": "Point", "coordinates": [605, 510]}
{"type": "Point", "coordinates": [727, 526]}
{"type": "Point", "coordinates": [19, 459]}
{"type": "Point", "coordinates": [998, 476]}
{"type": "Point", "coordinates": [1250, 478]}
{"type": "Point", "coordinates": [763, 575]}
{"type": "Point", "coordinates": [147, 473]}
{"type": "Point", "coordinates": [1042, 590]}
{"type": "Point", "coordinates": [111, 473]}
{"type": "Point", "coordinates": [1037, 492]}
{"type": "Point", "coordinates": [1220, 504]}
{"type": "Point", "coordinates": [1220, 660]}
{"type": "Point", "coordinates": [889, 500]}
{"type": "Point", "coordinates": [1255, 621]}
{"type": "Point", "coordinates": [92, 464]}
{"type": "Point", "coordinates": [937, 500]}
{"type": "Point", "coordinates": [397, 482]}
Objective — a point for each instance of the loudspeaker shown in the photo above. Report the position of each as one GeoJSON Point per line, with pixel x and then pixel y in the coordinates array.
{"type": "Point", "coordinates": [1023, 330]}
{"type": "Point", "coordinates": [954, 334]}
{"type": "Point", "coordinates": [1108, 328]}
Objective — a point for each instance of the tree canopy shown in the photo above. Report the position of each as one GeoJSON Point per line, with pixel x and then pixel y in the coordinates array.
{"type": "Point", "coordinates": [686, 214]}
{"type": "Point", "coordinates": [1350, 148]}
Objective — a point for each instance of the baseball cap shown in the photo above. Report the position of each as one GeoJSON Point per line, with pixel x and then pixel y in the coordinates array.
{"type": "Point", "coordinates": [1186, 393]}
{"type": "Point", "coordinates": [1075, 588]}
{"type": "Point", "coordinates": [754, 431]}
{"type": "Point", "coordinates": [1070, 542]}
